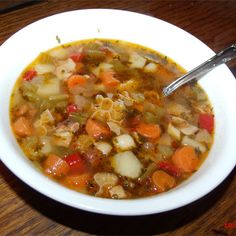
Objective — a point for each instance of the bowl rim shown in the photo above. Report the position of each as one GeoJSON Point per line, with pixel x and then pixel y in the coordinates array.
{"type": "Point", "coordinates": [24, 170]}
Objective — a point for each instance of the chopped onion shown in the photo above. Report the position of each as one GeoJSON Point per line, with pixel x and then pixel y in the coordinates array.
{"type": "Point", "coordinates": [44, 68]}
{"type": "Point", "coordinates": [104, 147]}
{"type": "Point", "coordinates": [165, 139]}
{"type": "Point", "coordinates": [150, 67]}
{"type": "Point", "coordinates": [60, 53]}
{"type": "Point", "coordinates": [177, 109]}
{"type": "Point", "coordinates": [46, 145]}
{"type": "Point", "coordinates": [105, 178]}
{"type": "Point", "coordinates": [49, 88]}
{"type": "Point", "coordinates": [114, 127]}
{"type": "Point", "coordinates": [127, 164]}
{"type": "Point", "coordinates": [105, 66]}
{"type": "Point", "coordinates": [124, 142]}
{"type": "Point", "coordinates": [137, 61]}
{"type": "Point", "coordinates": [189, 129]}
{"type": "Point", "coordinates": [173, 132]}
{"type": "Point", "coordinates": [81, 101]}
{"type": "Point", "coordinates": [65, 69]}
{"type": "Point", "coordinates": [191, 142]}
{"type": "Point", "coordinates": [46, 118]}
{"type": "Point", "coordinates": [62, 138]}
{"type": "Point", "coordinates": [203, 136]}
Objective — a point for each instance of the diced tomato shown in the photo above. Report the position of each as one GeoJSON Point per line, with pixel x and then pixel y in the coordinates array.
{"type": "Point", "coordinates": [77, 57]}
{"type": "Point", "coordinates": [72, 108]}
{"type": "Point", "coordinates": [29, 75]}
{"type": "Point", "coordinates": [206, 121]}
{"type": "Point", "coordinates": [169, 168]}
{"type": "Point", "coordinates": [76, 162]}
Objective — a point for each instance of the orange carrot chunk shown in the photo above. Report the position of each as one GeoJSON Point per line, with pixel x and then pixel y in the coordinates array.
{"type": "Point", "coordinates": [152, 131]}
{"type": "Point", "coordinates": [55, 166]}
{"type": "Point", "coordinates": [75, 80]}
{"type": "Point", "coordinates": [78, 181]}
{"type": "Point", "coordinates": [185, 158]}
{"type": "Point", "coordinates": [22, 127]}
{"type": "Point", "coordinates": [163, 181]}
{"type": "Point", "coordinates": [97, 129]}
{"type": "Point", "coordinates": [108, 79]}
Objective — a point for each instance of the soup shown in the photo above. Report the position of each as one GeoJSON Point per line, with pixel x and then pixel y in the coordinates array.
{"type": "Point", "coordinates": [91, 116]}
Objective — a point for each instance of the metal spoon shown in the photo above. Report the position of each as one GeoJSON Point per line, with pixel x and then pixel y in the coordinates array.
{"type": "Point", "coordinates": [195, 74]}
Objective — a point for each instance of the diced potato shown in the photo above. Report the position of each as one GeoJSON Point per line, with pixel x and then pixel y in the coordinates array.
{"type": "Point", "coordinates": [104, 147]}
{"type": "Point", "coordinates": [191, 142]}
{"type": "Point", "coordinates": [127, 164]}
{"type": "Point", "coordinates": [49, 88]}
{"type": "Point", "coordinates": [44, 68]}
{"type": "Point", "coordinates": [117, 192]}
{"type": "Point", "coordinates": [124, 142]}
{"type": "Point", "coordinates": [150, 67]}
{"type": "Point", "coordinates": [137, 61]}
{"type": "Point", "coordinates": [173, 132]}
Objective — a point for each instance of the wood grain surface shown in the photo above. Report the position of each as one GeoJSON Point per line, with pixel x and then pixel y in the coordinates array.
{"type": "Point", "coordinates": [23, 211]}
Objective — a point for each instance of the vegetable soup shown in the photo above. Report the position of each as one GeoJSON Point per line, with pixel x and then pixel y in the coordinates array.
{"type": "Point", "coordinates": [91, 116]}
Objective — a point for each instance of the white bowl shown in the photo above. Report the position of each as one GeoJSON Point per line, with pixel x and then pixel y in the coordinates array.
{"type": "Point", "coordinates": [21, 48]}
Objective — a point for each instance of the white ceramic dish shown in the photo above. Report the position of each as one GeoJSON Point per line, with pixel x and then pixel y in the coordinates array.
{"type": "Point", "coordinates": [21, 48]}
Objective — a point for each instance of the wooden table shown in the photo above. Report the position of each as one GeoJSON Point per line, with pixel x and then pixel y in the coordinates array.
{"type": "Point", "coordinates": [23, 211]}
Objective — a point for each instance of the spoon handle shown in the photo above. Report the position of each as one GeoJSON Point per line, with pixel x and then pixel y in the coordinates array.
{"type": "Point", "coordinates": [195, 74]}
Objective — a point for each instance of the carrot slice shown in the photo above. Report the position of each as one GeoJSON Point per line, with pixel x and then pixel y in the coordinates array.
{"type": "Point", "coordinates": [97, 129]}
{"type": "Point", "coordinates": [55, 166]}
{"type": "Point", "coordinates": [74, 80]}
{"type": "Point", "coordinates": [22, 127]}
{"type": "Point", "coordinates": [185, 158]}
{"type": "Point", "coordinates": [152, 131]}
{"type": "Point", "coordinates": [77, 181]}
{"type": "Point", "coordinates": [107, 78]}
{"type": "Point", "coordinates": [163, 181]}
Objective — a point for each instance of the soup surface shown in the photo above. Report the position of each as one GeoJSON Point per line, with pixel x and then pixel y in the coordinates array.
{"type": "Point", "coordinates": [91, 115]}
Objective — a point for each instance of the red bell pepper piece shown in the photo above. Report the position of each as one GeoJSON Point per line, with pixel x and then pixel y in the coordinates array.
{"type": "Point", "coordinates": [206, 121]}
{"type": "Point", "coordinates": [169, 168]}
{"type": "Point", "coordinates": [72, 108]}
{"type": "Point", "coordinates": [76, 162]}
{"type": "Point", "coordinates": [77, 57]}
{"type": "Point", "coordinates": [29, 75]}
